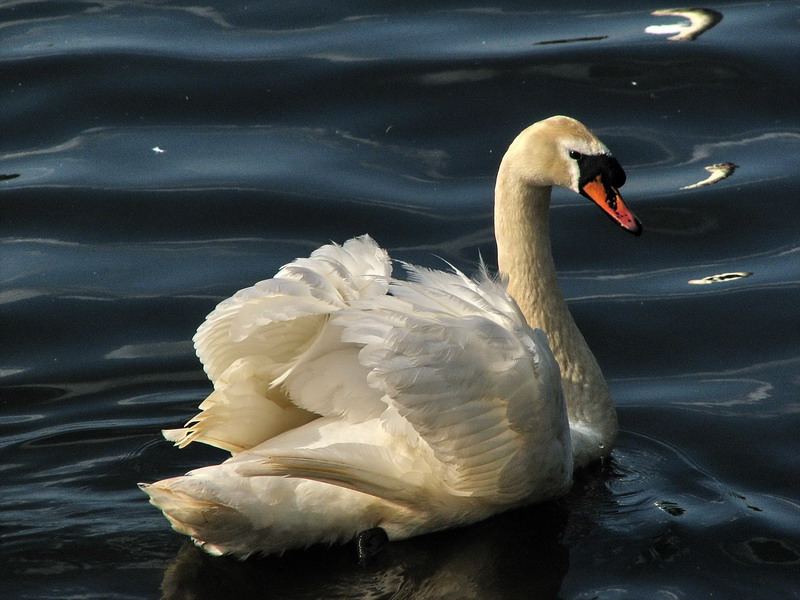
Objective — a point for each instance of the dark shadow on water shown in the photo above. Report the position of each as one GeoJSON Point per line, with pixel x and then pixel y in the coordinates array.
{"type": "Point", "coordinates": [514, 555]}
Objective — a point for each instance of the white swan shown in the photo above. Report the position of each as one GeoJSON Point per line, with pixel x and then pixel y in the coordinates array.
{"type": "Point", "coordinates": [353, 401]}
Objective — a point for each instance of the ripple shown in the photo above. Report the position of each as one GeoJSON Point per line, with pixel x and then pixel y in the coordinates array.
{"type": "Point", "coordinates": [761, 551]}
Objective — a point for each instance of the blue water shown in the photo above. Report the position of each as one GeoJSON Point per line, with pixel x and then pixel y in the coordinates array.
{"type": "Point", "coordinates": [170, 154]}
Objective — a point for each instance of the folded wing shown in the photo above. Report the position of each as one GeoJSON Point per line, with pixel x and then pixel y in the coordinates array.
{"type": "Point", "coordinates": [257, 339]}
{"type": "Point", "coordinates": [445, 366]}
{"type": "Point", "coordinates": [455, 358]}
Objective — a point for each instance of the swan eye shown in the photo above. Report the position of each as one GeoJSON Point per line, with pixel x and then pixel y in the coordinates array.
{"type": "Point", "coordinates": [574, 155]}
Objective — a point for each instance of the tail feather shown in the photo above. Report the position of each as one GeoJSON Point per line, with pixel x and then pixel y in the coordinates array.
{"type": "Point", "coordinates": [211, 524]}
{"type": "Point", "coordinates": [224, 527]}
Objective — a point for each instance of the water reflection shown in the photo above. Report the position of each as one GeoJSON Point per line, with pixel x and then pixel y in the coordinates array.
{"type": "Point", "coordinates": [649, 506]}
{"type": "Point", "coordinates": [763, 551]}
{"type": "Point", "coordinates": [169, 158]}
{"type": "Point", "coordinates": [754, 145]}
{"type": "Point", "coordinates": [719, 278]}
{"type": "Point", "coordinates": [700, 21]}
{"type": "Point", "coordinates": [637, 75]}
{"type": "Point", "coordinates": [484, 561]}
{"type": "Point", "coordinates": [718, 172]}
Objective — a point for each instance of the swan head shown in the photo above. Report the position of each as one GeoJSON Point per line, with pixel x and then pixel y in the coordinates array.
{"type": "Point", "coordinates": [562, 151]}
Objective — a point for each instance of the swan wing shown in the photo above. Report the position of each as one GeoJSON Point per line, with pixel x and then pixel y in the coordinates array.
{"type": "Point", "coordinates": [253, 344]}
{"type": "Point", "coordinates": [278, 318]}
{"type": "Point", "coordinates": [470, 397]}
{"type": "Point", "coordinates": [457, 362]}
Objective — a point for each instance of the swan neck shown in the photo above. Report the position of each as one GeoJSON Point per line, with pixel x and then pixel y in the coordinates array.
{"type": "Point", "coordinates": [524, 257]}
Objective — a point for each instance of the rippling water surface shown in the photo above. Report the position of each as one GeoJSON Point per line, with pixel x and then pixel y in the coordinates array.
{"type": "Point", "coordinates": [162, 155]}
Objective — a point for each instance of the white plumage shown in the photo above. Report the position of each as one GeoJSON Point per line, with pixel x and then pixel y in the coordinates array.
{"type": "Point", "coordinates": [351, 400]}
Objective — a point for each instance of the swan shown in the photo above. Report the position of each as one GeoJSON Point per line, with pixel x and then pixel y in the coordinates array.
{"type": "Point", "coordinates": [360, 406]}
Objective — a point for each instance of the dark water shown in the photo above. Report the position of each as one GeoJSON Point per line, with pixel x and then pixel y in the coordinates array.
{"type": "Point", "coordinates": [284, 125]}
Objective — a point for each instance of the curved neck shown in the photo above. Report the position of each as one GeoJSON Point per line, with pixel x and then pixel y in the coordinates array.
{"type": "Point", "coordinates": [522, 231]}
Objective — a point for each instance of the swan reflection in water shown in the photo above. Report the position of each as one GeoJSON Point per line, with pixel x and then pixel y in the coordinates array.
{"type": "Point", "coordinates": [523, 553]}
{"type": "Point", "coordinates": [514, 555]}
{"type": "Point", "coordinates": [639, 510]}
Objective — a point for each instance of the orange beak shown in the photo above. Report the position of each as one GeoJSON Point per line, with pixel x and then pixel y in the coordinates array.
{"type": "Point", "coordinates": [607, 197]}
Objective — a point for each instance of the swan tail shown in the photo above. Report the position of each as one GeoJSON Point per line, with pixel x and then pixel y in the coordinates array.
{"type": "Point", "coordinates": [197, 515]}
{"type": "Point", "coordinates": [225, 513]}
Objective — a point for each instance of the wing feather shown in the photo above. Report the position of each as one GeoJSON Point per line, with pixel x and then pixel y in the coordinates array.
{"type": "Point", "coordinates": [446, 364]}
{"type": "Point", "coordinates": [361, 467]}
{"type": "Point", "coordinates": [456, 359]}
{"type": "Point", "coordinates": [254, 344]}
